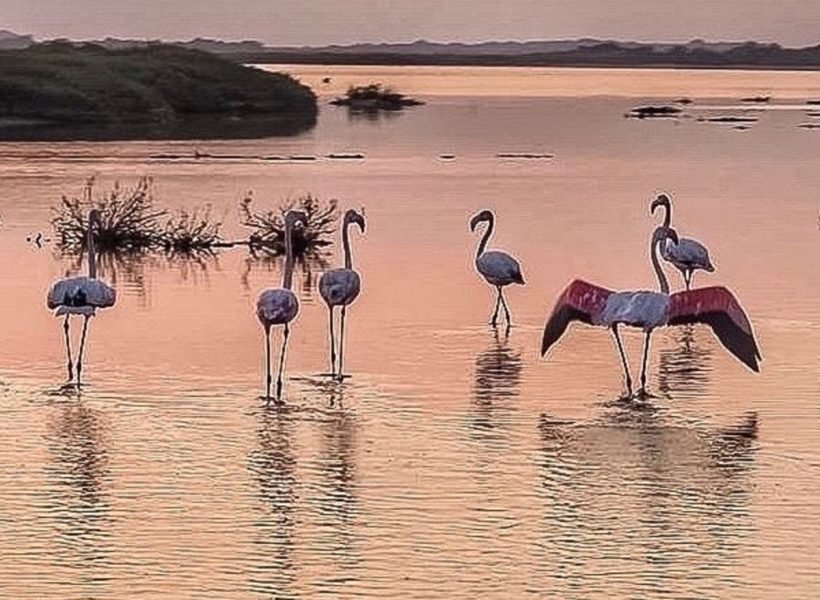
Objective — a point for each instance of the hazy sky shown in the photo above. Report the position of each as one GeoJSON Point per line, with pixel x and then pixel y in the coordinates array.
{"type": "Point", "coordinates": [312, 22]}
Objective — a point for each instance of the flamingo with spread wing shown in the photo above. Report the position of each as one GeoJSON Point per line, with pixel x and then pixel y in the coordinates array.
{"type": "Point", "coordinates": [714, 306]}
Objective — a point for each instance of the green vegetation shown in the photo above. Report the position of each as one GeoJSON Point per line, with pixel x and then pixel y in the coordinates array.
{"type": "Point", "coordinates": [66, 84]}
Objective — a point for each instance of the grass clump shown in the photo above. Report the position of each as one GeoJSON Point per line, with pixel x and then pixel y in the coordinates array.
{"type": "Point", "coordinates": [268, 227]}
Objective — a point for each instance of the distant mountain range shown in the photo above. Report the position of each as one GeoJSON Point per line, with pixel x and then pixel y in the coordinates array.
{"type": "Point", "coordinates": [581, 52]}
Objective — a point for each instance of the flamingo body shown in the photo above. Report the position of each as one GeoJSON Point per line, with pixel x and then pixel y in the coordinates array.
{"type": "Point", "coordinates": [645, 310]}
{"type": "Point", "coordinates": [277, 307]}
{"type": "Point", "coordinates": [687, 255]}
{"type": "Point", "coordinates": [80, 296]}
{"type": "Point", "coordinates": [339, 287]}
{"type": "Point", "coordinates": [499, 268]}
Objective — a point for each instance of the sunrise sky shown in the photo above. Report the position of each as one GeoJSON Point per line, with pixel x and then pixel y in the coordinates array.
{"type": "Point", "coordinates": [300, 22]}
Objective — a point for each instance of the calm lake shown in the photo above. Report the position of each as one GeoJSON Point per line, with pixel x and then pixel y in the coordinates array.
{"type": "Point", "coordinates": [455, 463]}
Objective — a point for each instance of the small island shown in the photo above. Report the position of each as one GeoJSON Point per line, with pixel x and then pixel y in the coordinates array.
{"type": "Point", "coordinates": [61, 90]}
{"type": "Point", "coordinates": [374, 97]}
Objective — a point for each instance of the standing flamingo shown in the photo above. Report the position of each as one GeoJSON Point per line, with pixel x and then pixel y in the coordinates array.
{"type": "Point", "coordinates": [340, 287]}
{"type": "Point", "coordinates": [687, 255]}
{"type": "Point", "coordinates": [498, 268]}
{"type": "Point", "coordinates": [714, 306]}
{"type": "Point", "coordinates": [280, 306]}
{"type": "Point", "coordinates": [81, 296]}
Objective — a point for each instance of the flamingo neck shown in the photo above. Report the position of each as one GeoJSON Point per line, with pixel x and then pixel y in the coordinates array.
{"type": "Point", "coordinates": [482, 245]}
{"type": "Point", "coordinates": [663, 283]}
{"type": "Point", "coordinates": [92, 258]}
{"type": "Point", "coordinates": [287, 277]}
{"type": "Point", "coordinates": [346, 244]}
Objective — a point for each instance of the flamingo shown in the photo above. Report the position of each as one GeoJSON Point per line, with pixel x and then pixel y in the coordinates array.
{"type": "Point", "coordinates": [687, 255]}
{"type": "Point", "coordinates": [280, 306]}
{"type": "Point", "coordinates": [81, 295]}
{"type": "Point", "coordinates": [498, 268]}
{"type": "Point", "coordinates": [714, 306]}
{"type": "Point", "coordinates": [340, 287]}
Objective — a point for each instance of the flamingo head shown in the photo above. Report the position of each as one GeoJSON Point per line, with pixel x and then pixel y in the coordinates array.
{"type": "Point", "coordinates": [94, 218]}
{"type": "Point", "coordinates": [661, 200]}
{"type": "Point", "coordinates": [292, 217]}
{"type": "Point", "coordinates": [352, 216]}
{"type": "Point", "coordinates": [665, 233]}
{"type": "Point", "coordinates": [484, 215]}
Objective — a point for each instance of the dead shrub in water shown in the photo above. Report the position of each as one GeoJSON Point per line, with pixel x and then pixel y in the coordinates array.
{"type": "Point", "coordinates": [128, 218]}
{"type": "Point", "coordinates": [268, 228]}
{"type": "Point", "coordinates": [191, 232]}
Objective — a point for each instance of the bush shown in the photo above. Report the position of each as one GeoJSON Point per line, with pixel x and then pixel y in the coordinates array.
{"type": "Point", "coordinates": [268, 227]}
{"type": "Point", "coordinates": [128, 218]}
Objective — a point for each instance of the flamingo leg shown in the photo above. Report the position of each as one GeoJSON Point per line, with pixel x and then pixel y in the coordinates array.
{"type": "Point", "coordinates": [643, 365]}
{"type": "Point", "coordinates": [68, 349]}
{"type": "Point", "coordinates": [332, 345]}
{"type": "Point", "coordinates": [267, 363]}
{"type": "Point", "coordinates": [494, 320]}
{"type": "Point", "coordinates": [342, 344]}
{"type": "Point", "coordinates": [691, 277]}
{"type": "Point", "coordinates": [506, 310]}
{"type": "Point", "coordinates": [687, 278]}
{"type": "Point", "coordinates": [282, 365]}
{"type": "Point", "coordinates": [623, 359]}
{"type": "Point", "coordinates": [82, 350]}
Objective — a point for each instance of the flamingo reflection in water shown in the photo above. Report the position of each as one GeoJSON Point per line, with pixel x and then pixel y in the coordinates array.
{"type": "Point", "coordinates": [82, 296]}
{"type": "Point", "coordinates": [646, 493]}
{"type": "Point", "coordinates": [713, 306]}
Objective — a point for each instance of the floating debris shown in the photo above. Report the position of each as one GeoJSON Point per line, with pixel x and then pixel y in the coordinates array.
{"type": "Point", "coordinates": [741, 127]}
{"type": "Point", "coordinates": [757, 99]}
{"type": "Point", "coordinates": [684, 101]}
{"type": "Point", "coordinates": [729, 119]}
{"type": "Point", "coordinates": [447, 156]}
{"type": "Point", "coordinates": [526, 155]}
{"type": "Point", "coordinates": [809, 126]}
{"type": "Point", "coordinates": [346, 156]}
{"type": "Point", "coordinates": [654, 112]}
{"type": "Point", "coordinates": [813, 102]}
{"type": "Point", "coordinates": [301, 157]}
{"type": "Point", "coordinates": [814, 114]}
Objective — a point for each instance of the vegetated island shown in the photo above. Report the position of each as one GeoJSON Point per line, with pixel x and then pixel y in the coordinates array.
{"type": "Point", "coordinates": [61, 90]}
{"type": "Point", "coordinates": [374, 97]}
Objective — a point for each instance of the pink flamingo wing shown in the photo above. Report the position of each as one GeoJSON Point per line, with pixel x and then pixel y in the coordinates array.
{"type": "Point", "coordinates": [717, 307]}
{"type": "Point", "coordinates": [580, 301]}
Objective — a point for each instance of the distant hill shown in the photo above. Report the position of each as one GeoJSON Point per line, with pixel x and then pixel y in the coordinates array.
{"type": "Point", "coordinates": [585, 52]}
{"type": "Point", "coordinates": [580, 52]}
{"type": "Point", "coordinates": [60, 84]}
{"type": "Point", "coordinates": [13, 41]}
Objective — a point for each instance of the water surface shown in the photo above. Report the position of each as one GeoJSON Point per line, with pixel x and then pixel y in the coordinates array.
{"type": "Point", "coordinates": [455, 463]}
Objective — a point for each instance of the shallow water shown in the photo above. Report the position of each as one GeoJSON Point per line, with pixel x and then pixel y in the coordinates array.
{"type": "Point", "coordinates": [455, 462]}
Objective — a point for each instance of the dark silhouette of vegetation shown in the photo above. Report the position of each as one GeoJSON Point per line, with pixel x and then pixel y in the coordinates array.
{"type": "Point", "coordinates": [374, 97]}
{"type": "Point", "coordinates": [268, 227]}
{"type": "Point", "coordinates": [140, 91]}
{"type": "Point", "coordinates": [130, 222]}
